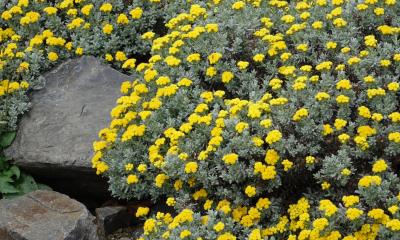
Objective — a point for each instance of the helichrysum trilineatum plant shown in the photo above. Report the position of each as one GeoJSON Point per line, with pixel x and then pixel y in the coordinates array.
{"type": "Point", "coordinates": [258, 119]}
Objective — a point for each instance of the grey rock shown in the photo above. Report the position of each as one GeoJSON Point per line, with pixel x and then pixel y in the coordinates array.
{"type": "Point", "coordinates": [45, 215]}
{"type": "Point", "coordinates": [55, 139]}
{"type": "Point", "coordinates": [110, 219]}
{"type": "Point", "coordinates": [137, 233]}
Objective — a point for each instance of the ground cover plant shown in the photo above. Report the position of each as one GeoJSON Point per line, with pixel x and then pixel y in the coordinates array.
{"type": "Point", "coordinates": [262, 120]}
{"type": "Point", "coordinates": [36, 35]}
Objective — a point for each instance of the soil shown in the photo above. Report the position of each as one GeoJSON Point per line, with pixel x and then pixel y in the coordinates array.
{"type": "Point", "coordinates": [123, 232]}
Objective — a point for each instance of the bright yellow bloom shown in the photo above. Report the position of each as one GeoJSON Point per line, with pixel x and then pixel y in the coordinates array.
{"type": "Point", "coordinates": [136, 13]}
{"type": "Point", "coordinates": [86, 9]}
{"type": "Point", "coordinates": [122, 19]}
{"type": "Point", "coordinates": [238, 5]}
{"type": "Point", "coordinates": [53, 56]}
{"type": "Point", "coordinates": [79, 51]}
{"type": "Point", "coordinates": [131, 179]}
{"type": "Point", "coordinates": [242, 65]}
{"type": "Point", "coordinates": [250, 191]}
{"type": "Point", "coordinates": [353, 213]}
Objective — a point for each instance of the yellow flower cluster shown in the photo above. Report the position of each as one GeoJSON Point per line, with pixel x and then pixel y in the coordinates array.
{"type": "Point", "coordinates": [230, 158]}
{"type": "Point", "coordinates": [353, 213]}
{"type": "Point", "coordinates": [273, 136]}
{"type": "Point", "coordinates": [368, 180]}
{"type": "Point", "coordinates": [379, 166]}
{"type": "Point", "coordinates": [142, 211]}
{"type": "Point", "coordinates": [300, 114]}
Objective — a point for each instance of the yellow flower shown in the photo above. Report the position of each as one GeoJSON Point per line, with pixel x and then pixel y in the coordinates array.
{"type": "Point", "coordinates": [331, 45]}
{"type": "Point", "coordinates": [327, 129]}
{"type": "Point", "coordinates": [79, 51]}
{"type": "Point", "coordinates": [393, 224]}
{"type": "Point", "coordinates": [379, 11]}
{"type": "Point", "coordinates": [370, 41]}
{"type": "Point", "coordinates": [212, 27]}
{"type": "Point", "coordinates": [287, 164]}
{"type": "Point", "coordinates": [50, 10]}
{"type": "Point", "coordinates": [379, 166]}
{"type": "Point", "coordinates": [345, 84]}
{"type": "Point", "coordinates": [364, 53]}
{"type": "Point", "coordinates": [185, 233]}
{"type": "Point", "coordinates": [24, 85]}
{"type": "Point", "coordinates": [68, 46]}
{"type": "Point", "coordinates": [142, 168]}
{"type": "Point", "coordinates": [271, 157]}
{"type": "Point", "coordinates": [346, 172]}
{"type": "Point", "coordinates": [287, 19]}
{"type": "Point", "coordinates": [353, 213]}
{"type": "Point", "coordinates": [273, 136]}
{"type": "Point", "coordinates": [325, 185]}
{"type": "Point", "coordinates": [364, 112]}
{"type": "Point", "coordinates": [24, 66]}
{"type": "Point", "coordinates": [317, 25]}
{"type": "Point", "coordinates": [337, 2]}
{"type": "Point", "coordinates": [393, 86]}
{"type": "Point", "coordinates": [86, 9]}
{"type": "Point", "coordinates": [242, 65]}
{"type": "Point", "coordinates": [322, 96]}
{"type": "Point", "coordinates": [393, 209]}
{"type": "Point", "coordinates": [368, 180]}
{"type": "Point", "coordinates": [132, 179]}
{"type": "Point", "coordinates": [395, 136]}
{"type": "Point", "coordinates": [53, 56]}
{"type": "Point", "coordinates": [350, 200]}
{"type": "Point", "coordinates": [385, 63]}
{"type": "Point", "coordinates": [250, 191]}
{"type": "Point", "coordinates": [310, 159]}
{"type": "Point", "coordinates": [343, 137]}
{"type": "Point", "coordinates": [285, 56]}
{"type": "Point", "coordinates": [219, 94]}
{"type": "Point", "coordinates": [6, 15]}
{"type": "Point", "coordinates": [136, 13]}
{"type": "Point", "coordinates": [300, 114]}
{"type": "Point", "coordinates": [362, 7]}
{"type": "Point", "coordinates": [226, 77]}
{"type": "Point", "coordinates": [72, 12]}
{"type": "Point", "coordinates": [324, 65]}
{"type": "Point", "coordinates": [106, 7]}
{"type": "Point", "coordinates": [171, 201]}
{"type": "Point", "coordinates": [302, 47]}
{"type": "Point", "coordinates": [214, 57]}
{"type": "Point", "coordinates": [148, 35]}
{"type": "Point", "coordinates": [122, 19]}
{"type": "Point", "coordinates": [240, 126]}
{"type": "Point", "coordinates": [120, 56]}
{"type": "Point", "coordinates": [191, 167]}
{"type": "Point", "coordinates": [305, 15]}
{"type": "Point", "coordinates": [238, 5]}
{"type": "Point", "coordinates": [230, 158]}
{"type": "Point", "coordinates": [107, 29]}
{"type": "Point", "coordinates": [25, 21]}
{"type": "Point", "coordinates": [129, 63]}
{"type": "Point", "coordinates": [160, 179]}
{"type": "Point", "coordinates": [109, 57]}
{"type": "Point", "coordinates": [339, 123]}
{"type": "Point", "coordinates": [339, 22]}
{"type": "Point", "coordinates": [142, 211]}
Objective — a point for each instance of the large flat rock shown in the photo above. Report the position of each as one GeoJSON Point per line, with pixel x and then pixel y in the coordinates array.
{"type": "Point", "coordinates": [45, 215]}
{"type": "Point", "coordinates": [55, 139]}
